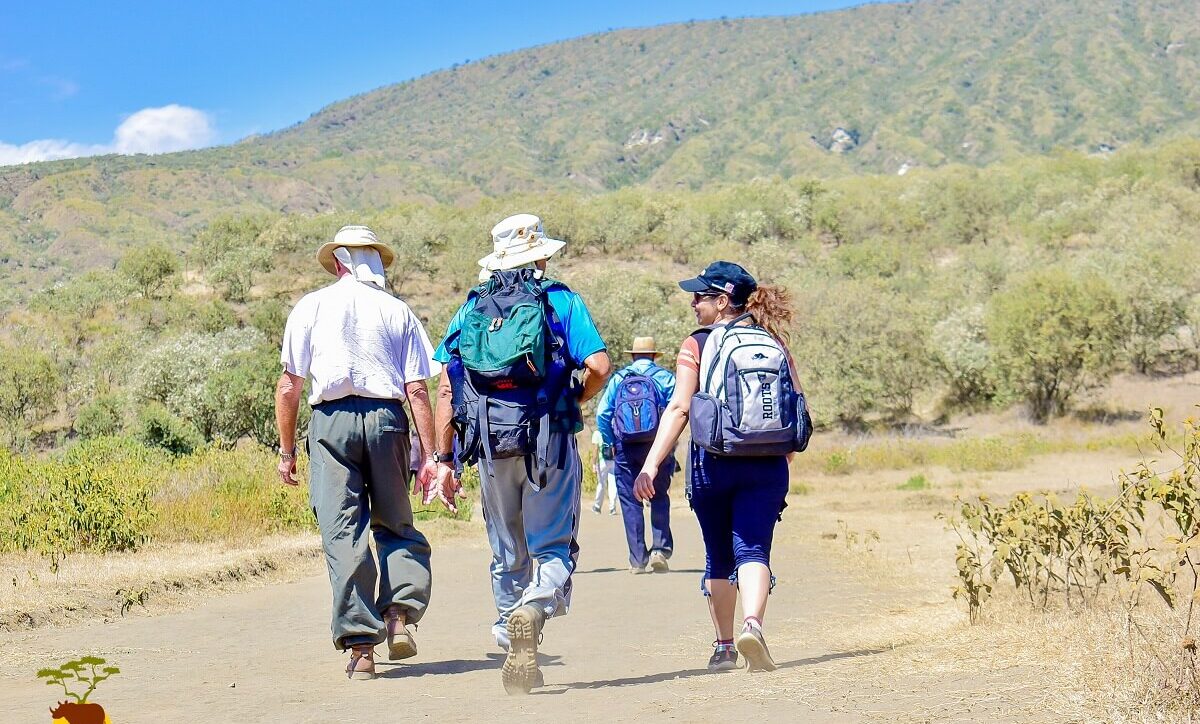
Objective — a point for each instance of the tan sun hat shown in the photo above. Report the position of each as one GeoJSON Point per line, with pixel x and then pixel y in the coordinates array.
{"type": "Point", "coordinates": [349, 237]}
{"type": "Point", "coordinates": [517, 241]}
{"type": "Point", "coordinates": [643, 345]}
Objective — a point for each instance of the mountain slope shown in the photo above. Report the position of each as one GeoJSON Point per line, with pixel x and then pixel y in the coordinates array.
{"type": "Point", "coordinates": [926, 83]}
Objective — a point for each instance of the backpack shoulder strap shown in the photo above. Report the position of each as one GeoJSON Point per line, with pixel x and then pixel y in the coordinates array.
{"type": "Point", "coordinates": [701, 336]}
{"type": "Point", "coordinates": [549, 285]}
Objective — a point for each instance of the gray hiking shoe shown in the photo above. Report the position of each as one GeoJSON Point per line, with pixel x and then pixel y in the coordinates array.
{"type": "Point", "coordinates": [520, 671]}
{"type": "Point", "coordinates": [724, 657]}
{"type": "Point", "coordinates": [752, 646]}
{"type": "Point", "coordinates": [658, 562]}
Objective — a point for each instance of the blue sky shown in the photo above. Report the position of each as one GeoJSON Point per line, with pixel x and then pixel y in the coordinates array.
{"type": "Point", "coordinates": [90, 77]}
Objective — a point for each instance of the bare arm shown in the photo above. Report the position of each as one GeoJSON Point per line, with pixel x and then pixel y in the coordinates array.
{"type": "Point", "coordinates": [596, 369]}
{"type": "Point", "coordinates": [443, 431]}
{"type": "Point", "coordinates": [288, 391]}
{"type": "Point", "coordinates": [422, 412]}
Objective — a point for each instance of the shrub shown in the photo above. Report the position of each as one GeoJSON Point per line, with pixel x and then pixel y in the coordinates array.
{"type": "Point", "coordinates": [150, 268]}
{"type": "Point", "coordinates": [94, 498]}
{"type": "Point", "coordinates": [29, 384]}
{"type": "Point", "coordinates": [867, 352]}
{"type": "Point", "coordinates": [1147, 537]}
{"type": "Point", "coordinates": [238, 400]}
{"type": "Point", "coordinates": [178, 374]}
{"type": "Point", "coordinates": [916, 482]}
{"type": "Point", "coordinates": [102, 417]}
{"type": "Point", "coordinates": [1054, 335]}
{"type": "Point", "coordinates": [157, 427]}
{"type": "Point", "coordinates": [960, 346]}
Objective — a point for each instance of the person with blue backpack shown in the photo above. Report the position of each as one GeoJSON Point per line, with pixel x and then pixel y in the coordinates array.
{"type": "Point", "coordinates": [736, 385]}
{"type": "Point", "coordinates": [627, 416]}
{"type": "Point", "coordinates": [520, 356]}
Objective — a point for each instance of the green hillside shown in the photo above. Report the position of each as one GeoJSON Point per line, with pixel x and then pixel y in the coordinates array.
{"type": "Point", "coordinates": [921, 84]}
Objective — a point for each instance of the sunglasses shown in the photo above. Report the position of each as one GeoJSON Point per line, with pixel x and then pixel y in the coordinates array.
{"type": "Point", "coordinates": [697, 296]}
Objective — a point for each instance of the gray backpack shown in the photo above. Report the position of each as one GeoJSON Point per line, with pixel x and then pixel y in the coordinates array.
{"type": "Point", "coordinates": [746, 404]}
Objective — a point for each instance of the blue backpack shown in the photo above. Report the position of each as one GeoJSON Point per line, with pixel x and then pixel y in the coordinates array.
{"type": "Point", "coordinates": [636, 409]}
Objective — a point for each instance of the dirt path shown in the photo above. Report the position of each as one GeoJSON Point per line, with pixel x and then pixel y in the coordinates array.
{"type": "Point", "coordinates": [633, 647]}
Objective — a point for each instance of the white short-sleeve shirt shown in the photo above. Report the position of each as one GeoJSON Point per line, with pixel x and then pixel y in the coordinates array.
{"type": "Point", "coordinates": [351, 338]}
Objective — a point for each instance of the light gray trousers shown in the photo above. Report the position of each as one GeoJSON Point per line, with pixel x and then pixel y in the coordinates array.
{"type": "Point", "coordinates": [526, 525]}
{"type": "Point", "coordinates": [358, 450]}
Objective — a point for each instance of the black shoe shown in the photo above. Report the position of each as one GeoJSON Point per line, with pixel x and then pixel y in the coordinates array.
{"type": "Point", "coordinates": [724, 658]}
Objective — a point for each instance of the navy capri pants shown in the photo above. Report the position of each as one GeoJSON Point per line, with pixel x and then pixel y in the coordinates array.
{"type": "Point", "coordinates": [737, 501]}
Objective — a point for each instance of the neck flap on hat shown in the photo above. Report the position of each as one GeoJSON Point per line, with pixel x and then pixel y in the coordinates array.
{"type": "Point", "coordinates": [363, 262]}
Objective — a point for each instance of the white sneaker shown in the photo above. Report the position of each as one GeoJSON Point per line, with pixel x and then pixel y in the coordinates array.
{"type": "Point", "coordinates": [500, 632]}
{"type": "Point", "coordinates": [658, 562]}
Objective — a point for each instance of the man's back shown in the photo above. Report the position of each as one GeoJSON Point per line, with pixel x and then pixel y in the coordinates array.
{"type": "Point", "coordinates": [355, 339]}
{"type": "Point", "coordinates": [664, 384]}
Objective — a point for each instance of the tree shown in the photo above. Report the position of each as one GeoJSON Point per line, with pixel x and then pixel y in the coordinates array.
{"type": "Point", "coordinates": [961, 348]}
{"type": "Point", "coordinates": [150, 268]}
{"type": "Point", "coordinates": [1054, 334]}
{"type": "Point", "coordinates": [866, 354]}
{"type": "Point", "coordinates": [29, 383]}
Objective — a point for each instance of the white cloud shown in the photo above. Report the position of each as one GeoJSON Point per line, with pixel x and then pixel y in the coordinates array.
{"type": "Point", "coordinates": [161, 130]}
{"type": "Point", "coordinates": [150, 130]}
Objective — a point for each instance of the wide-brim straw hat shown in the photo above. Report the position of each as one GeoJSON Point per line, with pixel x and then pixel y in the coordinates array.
{"type": "Point", "coordinates": [517, 241]}
{"type": "Point", "coordinates": [349, 237]}
{"type": "Point", "coordinates": [643, 345]}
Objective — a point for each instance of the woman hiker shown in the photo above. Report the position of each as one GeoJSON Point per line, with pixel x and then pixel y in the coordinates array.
{"type": "Point", "coordinates": [737, 499]}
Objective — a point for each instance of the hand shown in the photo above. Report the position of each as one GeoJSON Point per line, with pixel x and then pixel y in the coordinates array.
{"type": "Point", "coordinates": [287, 472]}
{"type": "Point", "coordinates": [423, 480]}
{"type": "Point", "coordinates": [446, 488]}
{"type": "Point", "coordinates": [643, 486]}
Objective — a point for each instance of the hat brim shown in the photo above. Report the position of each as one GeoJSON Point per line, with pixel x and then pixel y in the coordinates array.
{"type": "Point", "coordinates": [695, 284]}
{"type": "Point", "coordinates": [642, 351]}
{"type": "Point", "coordinates": [548, 248]}
{"type": "Point", "coordinates": [325, 254]}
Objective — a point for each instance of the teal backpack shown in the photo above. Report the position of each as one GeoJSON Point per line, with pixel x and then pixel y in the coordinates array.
{"type": "Point", "coordinates": [511, 373]}
{"type": "Point", "coordinates": [503, 340]}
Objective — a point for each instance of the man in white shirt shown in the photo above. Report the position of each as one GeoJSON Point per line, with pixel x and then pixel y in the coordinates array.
{"type": "Point", "coordinates": [366, 353]}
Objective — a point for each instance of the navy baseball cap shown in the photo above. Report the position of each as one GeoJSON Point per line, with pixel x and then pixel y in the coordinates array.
{"type": "Point", "coordinates": [725, 277]}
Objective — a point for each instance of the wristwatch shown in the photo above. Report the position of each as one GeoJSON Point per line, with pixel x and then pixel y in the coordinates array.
{"type": "Point", "coordinates": [438, 457]}
{"type": "Point", "coordinates": [287, 456]}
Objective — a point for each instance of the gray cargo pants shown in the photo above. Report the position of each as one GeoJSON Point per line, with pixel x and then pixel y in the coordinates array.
{"type": "Point", "coordinates": [358, 450]}
{"type": "Point", "coordinates": [526, 525]}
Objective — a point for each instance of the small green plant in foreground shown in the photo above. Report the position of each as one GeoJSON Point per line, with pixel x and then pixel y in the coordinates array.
{"type": "Point", "coordinates": [916, 482]}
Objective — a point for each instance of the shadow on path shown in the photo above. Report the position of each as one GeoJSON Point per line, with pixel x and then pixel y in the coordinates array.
{"type": "Point", "coordinates": [400, 670]}
{"type": "Point", "coordinates": [689, 673]}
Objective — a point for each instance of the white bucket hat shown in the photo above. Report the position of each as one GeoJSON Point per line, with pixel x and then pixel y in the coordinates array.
{"type": "Point", "coordinates": [517, 241]}
{"type": "Point", "coordinates": [351, 237]}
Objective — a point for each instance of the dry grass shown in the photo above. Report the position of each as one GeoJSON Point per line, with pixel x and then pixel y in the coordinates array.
{"type": "Point", "coordinates": [912, 655]}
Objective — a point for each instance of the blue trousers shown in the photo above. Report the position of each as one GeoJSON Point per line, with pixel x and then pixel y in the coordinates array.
{"type": "Point", "coordinates": [737, 501]}
{"type": "Point", "coordinates": [526, 525]}
{"type": "Point", "coordinates": [629, 460]}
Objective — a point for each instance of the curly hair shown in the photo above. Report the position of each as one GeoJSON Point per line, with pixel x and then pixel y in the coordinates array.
{"type": "Point", "coordinates": [771, 306]}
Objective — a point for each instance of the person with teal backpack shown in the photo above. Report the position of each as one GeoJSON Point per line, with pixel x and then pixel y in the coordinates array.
{"type": "Point", "coordinates": [520, 356]}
